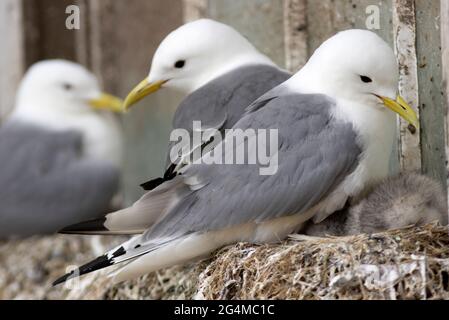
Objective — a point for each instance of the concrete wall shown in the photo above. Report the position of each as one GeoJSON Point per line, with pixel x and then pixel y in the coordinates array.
{"type": "Point", "coordinates": [11, 53]}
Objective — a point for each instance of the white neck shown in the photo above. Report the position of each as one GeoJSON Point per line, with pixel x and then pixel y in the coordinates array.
{"type": "Point", "coordinates": [377, 129]}
{"type": "Point", "coordinates": [306, 80]}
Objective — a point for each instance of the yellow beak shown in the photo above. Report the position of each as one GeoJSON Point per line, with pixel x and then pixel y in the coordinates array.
{"type": "Point", "coordinates": [402, 108]}
{"type": "Point", "coordinates": [142, 90]}
{"type": "Point", "coordinates": [107, 102]}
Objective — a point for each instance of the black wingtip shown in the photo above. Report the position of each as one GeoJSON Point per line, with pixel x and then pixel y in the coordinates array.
{"type": "Point", "coordinates": [62, 279]}
{"type": "Point", "coordinates": [87, 227]}
{"type": "Point", "coordinates": [96, 264]}
{"type": "Point", "coordinates": [150, 185]}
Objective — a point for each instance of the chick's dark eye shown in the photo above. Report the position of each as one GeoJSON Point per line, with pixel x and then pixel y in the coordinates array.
{"type": "Point", "coordinates": [67, 86]}
{"type": "Point", "coordinates": [179, 64]}
{"type": "Point", "coordinates": [366, 79]}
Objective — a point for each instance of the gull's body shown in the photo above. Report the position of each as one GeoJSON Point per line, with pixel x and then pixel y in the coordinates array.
{"type": "Point", "coordinates": [335, 138]}
{"type": "Point", "coordinates": [60, 157]}
{"type": "Point", "coordinates": [396, 202]}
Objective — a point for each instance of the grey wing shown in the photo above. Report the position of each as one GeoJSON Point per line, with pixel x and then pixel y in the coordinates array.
{"type": "Point", "coordinates": [315, 153]}
{"type": "Point", "coordinates": [218, 105]}
{"type": "Point", "coordinates": [46, 184]}
{"type": "Point", "coordinates": [222, 102]}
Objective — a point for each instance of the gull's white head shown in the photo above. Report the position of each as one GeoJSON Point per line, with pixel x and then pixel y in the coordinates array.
{"type": "Point", "coordinates": [62, 95]}
{"type": "Point", "coordinates": [356, 66]}
{"type": "Point", "coordinates": [59, 87]}
{"type": "Point", "coordinates": [195, 54]}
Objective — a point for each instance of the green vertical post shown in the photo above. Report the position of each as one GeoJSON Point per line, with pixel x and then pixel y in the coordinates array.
{"type": "Point", "coordinates": [431, 98]}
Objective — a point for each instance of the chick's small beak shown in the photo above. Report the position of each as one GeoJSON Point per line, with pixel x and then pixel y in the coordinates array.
{"type": "Point", "coordinates": [107, 102]}
{"type": "Point", "coordinates": [403, 109]}
{"type": "Point", "coordinates": [142, 90]}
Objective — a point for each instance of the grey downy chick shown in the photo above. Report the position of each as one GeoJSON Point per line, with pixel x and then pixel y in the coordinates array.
{"type": "Point", "coordinates": [396, 202]}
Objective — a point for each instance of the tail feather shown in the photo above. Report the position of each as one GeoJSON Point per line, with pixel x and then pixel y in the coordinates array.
{"type": "Point", "coordinates": [136, 218]}
{"type": "Point", "coordinates": [95, 226]}
{"type": "Point", "coordinates": [144, 257]}
{"type": "Point", "coordinates": [174, 252]}
{"type": "Point", "coordinates": [100, 262]}
{"type": "Point", "coordinates": [129, 250]}
{"type": "Point", "coordinates": [96, 264]}
{"type": "Point", "coordinates": [98, 227]}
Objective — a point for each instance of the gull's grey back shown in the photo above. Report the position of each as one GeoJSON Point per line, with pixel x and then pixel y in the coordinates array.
{"type": "Point", "coordinates": [225, 98]}
{"type": "Point", "coordinates": [222, 102]}
{"type": "Point", "coordinates": [45, 183]}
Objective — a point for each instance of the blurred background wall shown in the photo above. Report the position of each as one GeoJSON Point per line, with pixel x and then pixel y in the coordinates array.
{"type": "Point", "coordinates": [117, 39]}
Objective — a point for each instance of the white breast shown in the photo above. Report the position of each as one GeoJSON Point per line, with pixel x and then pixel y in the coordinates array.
{"type": "Point", "coordinates": [102, 137]}
{"type": "Point", "coordinates": [101, 131]}
{"type": "Point", "coordinates": [376, 127]}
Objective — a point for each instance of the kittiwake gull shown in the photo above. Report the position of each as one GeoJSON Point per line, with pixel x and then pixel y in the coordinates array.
{"type": "Point", "coordinates": [60, 151]}
{"type": "Point", "coordinates": [336, 124]}
{"type": "Point", "coordinates": [219, 72]}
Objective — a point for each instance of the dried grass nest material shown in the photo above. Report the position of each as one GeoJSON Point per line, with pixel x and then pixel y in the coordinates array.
{"type": "Point", "coordinates": [412, 263]}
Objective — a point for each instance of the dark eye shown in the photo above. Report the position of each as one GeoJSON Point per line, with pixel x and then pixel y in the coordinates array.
{"type": "Point", "coordinates": [67, 86]}
{"type": "Point", "coordinates": [365, 79]}
{"type": "Point", "coordinates": [179, 64]}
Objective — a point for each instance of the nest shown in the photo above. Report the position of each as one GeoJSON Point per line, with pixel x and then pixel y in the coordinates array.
{"type": "Point", "coordinates": [411, 263]}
